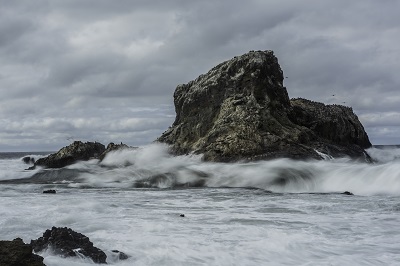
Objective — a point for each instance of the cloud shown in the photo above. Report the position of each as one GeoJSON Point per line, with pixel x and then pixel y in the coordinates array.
{"type": "Point", "coordinates": [73, 68]}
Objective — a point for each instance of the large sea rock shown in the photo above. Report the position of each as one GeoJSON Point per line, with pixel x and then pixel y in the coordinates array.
{"type": "Point", "coordinates": [240, 110]}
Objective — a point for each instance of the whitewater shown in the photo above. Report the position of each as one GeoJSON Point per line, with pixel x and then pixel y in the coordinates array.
{"type": "Point", "coordinates": [278, 212]}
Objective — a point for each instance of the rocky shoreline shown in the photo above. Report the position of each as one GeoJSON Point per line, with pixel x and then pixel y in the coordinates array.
{"type": "Point", "coordinates": [62, 241]}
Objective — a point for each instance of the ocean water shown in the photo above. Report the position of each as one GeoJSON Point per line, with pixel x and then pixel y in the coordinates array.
{"type": "Point", "coordinates": [279, 212]}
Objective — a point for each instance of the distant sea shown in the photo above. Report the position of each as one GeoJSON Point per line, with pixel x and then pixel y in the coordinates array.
{"type": "Point", "coordinates": [278, 212]}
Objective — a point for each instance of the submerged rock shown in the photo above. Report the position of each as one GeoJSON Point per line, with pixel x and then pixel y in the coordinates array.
{"type": "Point", "coordinates": [68, 243]}
{"type": "Point", "coordinates": [121, 255]}
{"type": "Point", "coordinates": [28, 160]}
{"type": "Point", "coordinates": [77, 151]}
{"type": "Point", "coordinates": [240, 110]}
{"type": "Point", "coordinates": [49, 191]}
{"type": "Point", "coordinates": [17, 253]}
{"type": "Point", "coordinates": [348, 193]}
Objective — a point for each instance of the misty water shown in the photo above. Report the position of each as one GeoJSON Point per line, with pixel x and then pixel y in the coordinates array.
{"type": "Point", "coordinates": [278, 212]}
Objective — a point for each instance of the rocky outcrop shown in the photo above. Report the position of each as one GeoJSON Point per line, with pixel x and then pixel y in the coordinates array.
{"type": "Point", "coordinates": [113, 147]}
{"type": "Point", "coordinates": [68, 243]}
{"type": "Point", "coordinates": [77, 151]}
{"type": "Point", "coordinates": [17, 253]}
{"type": "Point", "coordinates": [339, 128]}
{"type": "Point", "coordinates": [62, 241]}
{"type": "Point", "coordinates": [240, 110]}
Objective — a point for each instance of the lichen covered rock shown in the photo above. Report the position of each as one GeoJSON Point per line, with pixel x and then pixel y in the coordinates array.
{"type": "Point", "coordinates": [240, 110]}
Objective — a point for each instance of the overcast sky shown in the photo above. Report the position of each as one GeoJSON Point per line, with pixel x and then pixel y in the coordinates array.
{"type": "Point", "coordinates": [105, 70]}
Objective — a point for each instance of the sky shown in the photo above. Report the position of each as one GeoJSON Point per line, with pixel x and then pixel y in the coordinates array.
{"type": "Point", "coordinates": [106, 71]}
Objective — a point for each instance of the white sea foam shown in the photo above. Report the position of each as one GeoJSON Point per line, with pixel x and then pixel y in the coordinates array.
{"type": "Point", "coordinates": [385, 154]}
{"type": "Point", "coordinates": [222, 226]}
{"type": "Point", "coordinates": [152, 166]}
{"type": "Point", "coordinates": [232, 219]}
{"type": "Point", "coordinates": [14, 168]}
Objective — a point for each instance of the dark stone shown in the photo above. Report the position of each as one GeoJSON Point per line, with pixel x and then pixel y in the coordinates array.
{"type": "Point", "coordinates": [337, 130]}
{"type": "Point", "coordinates": [28, 160]}
{"type": "Point", "coordinates": [67, 243]}
{"type": "Point", "coordinates": [240, 110]}
{"type": "Point", "coordinates": [17, 253]}
{"type": "Point", "coordinates": [348, 193]}
{"type": "Point", "coordinates": [121, 255]}
{"type": "Point", "coordinates": [182, 215]}
{"type": "Point", "coordinates": [77, 151]}
{"type": "Point", "coordinates": [49, 191]}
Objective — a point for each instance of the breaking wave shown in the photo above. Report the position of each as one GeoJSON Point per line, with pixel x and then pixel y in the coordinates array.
{"type": "Point", "coordinates": [152, 167]}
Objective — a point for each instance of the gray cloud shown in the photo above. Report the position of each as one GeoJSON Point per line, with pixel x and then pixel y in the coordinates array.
{"type": "Point", "coordinates": [106, 71]}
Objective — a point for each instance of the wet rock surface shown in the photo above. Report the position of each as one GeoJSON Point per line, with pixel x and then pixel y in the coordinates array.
{"type": "Point", "coordinates": [61, 241]}
{"type": "Point", "coordinates": [68, 243]}
{"type": "Point", "coordinates": [17, 253]}
{"type": "Point", "coordinates": [121, 255]}
{"type": "Point", "coordinates": [240, 110]}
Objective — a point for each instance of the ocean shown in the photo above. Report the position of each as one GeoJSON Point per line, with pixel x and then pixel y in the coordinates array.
{"type": "Point", "coordinates": [278, 212]}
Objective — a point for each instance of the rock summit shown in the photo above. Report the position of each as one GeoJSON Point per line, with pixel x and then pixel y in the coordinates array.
{"type": "Point", "coordinates": [240, 110]}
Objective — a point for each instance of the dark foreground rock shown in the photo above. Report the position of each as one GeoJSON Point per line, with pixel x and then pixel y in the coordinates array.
{"type": "Point", "coordinates": [68, 243]}
{"type": "Point", "coordinates": [17, 253]}
{"type": "Point", "coordinates": [77, 151]}
{"type": "Point", "coordinates": [240, 110]}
